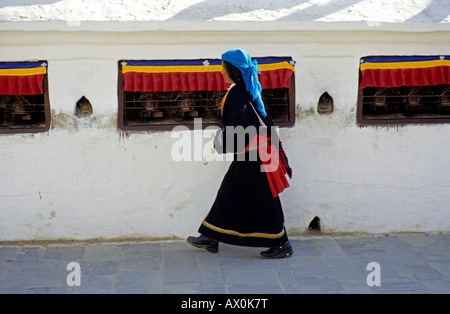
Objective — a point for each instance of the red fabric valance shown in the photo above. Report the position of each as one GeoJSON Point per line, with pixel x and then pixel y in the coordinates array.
{"type": "Point", "coordinates": [405, 71]}
{"type": "Point", "coordinates": [22, 78]}
{"type": "Point", "coordinates": [275, 78]}
{"type": "Point", "coordinates": [198, 75]}
{"type": "Point", "coordinates": [175, 81]}
{"type": "Point", "coordinates": [22, 85]}
{"type": "Point", "coordinates": [406, 77]}
{"type": "Point", "coordinates": [186, 81]}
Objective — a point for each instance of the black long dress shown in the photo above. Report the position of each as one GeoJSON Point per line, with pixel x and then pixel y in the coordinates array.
{"type": "Point", "coordinates": [244, 212]}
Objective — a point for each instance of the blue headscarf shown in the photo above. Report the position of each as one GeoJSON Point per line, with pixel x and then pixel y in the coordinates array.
{"type": "Point", "coordinates": [249, 69]}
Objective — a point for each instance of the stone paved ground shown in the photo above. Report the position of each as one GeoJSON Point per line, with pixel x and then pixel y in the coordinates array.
{"type": "Point", "coordinates": [408, 263]}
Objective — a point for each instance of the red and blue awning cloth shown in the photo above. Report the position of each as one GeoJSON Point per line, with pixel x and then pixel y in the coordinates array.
{"type": "Point", "coordinates": [404, 71]}
{"type": "Point", "coordinates": [22, 78]}
{"type": "Point", "coordinates": [198, 75]}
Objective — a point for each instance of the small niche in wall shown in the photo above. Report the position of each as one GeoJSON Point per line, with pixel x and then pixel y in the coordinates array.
{"type": "Point", "coordinates": [325, 104]}
{"type": "Point", "coordinates": [314, 225]}
{"type": "Point", "coordinates": [83, 108]}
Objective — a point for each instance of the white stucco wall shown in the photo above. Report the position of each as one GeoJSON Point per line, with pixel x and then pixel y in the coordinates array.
{"type": "Point", "coordinates": [87, 179]}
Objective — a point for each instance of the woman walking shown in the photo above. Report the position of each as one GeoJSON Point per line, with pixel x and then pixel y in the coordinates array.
{"type": "Point", "coordinates": [247, 210]}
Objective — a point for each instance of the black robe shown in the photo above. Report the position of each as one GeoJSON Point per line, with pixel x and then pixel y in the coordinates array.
{"type": "Point", "coordinates": [244, 212]}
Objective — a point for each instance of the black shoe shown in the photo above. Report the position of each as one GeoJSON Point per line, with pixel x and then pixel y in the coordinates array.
{"type": "Point", "coordinates": [278, 252]}
{"type": "Point", "coordinates": [203, 242]}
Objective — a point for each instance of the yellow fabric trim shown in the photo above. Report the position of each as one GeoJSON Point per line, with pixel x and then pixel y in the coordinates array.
{"type": "Point", "coordinates": [23, 72]}
{"type": "Point", "coordinates": [199, 68]}
{"type": "Point", "coordinates": [276, 66]}
{"type": "Point", "coordinates": [171, 69]}
{"type": "Point", "coordinates": [244, 235]}
{"type": "Point", "coordinates": [225, 97]}
{"type": "Point", "coordinates": [404, 65]}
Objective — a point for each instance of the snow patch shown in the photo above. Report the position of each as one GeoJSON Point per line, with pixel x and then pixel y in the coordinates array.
{"type": "Point", "coordinates": [370, 11]}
